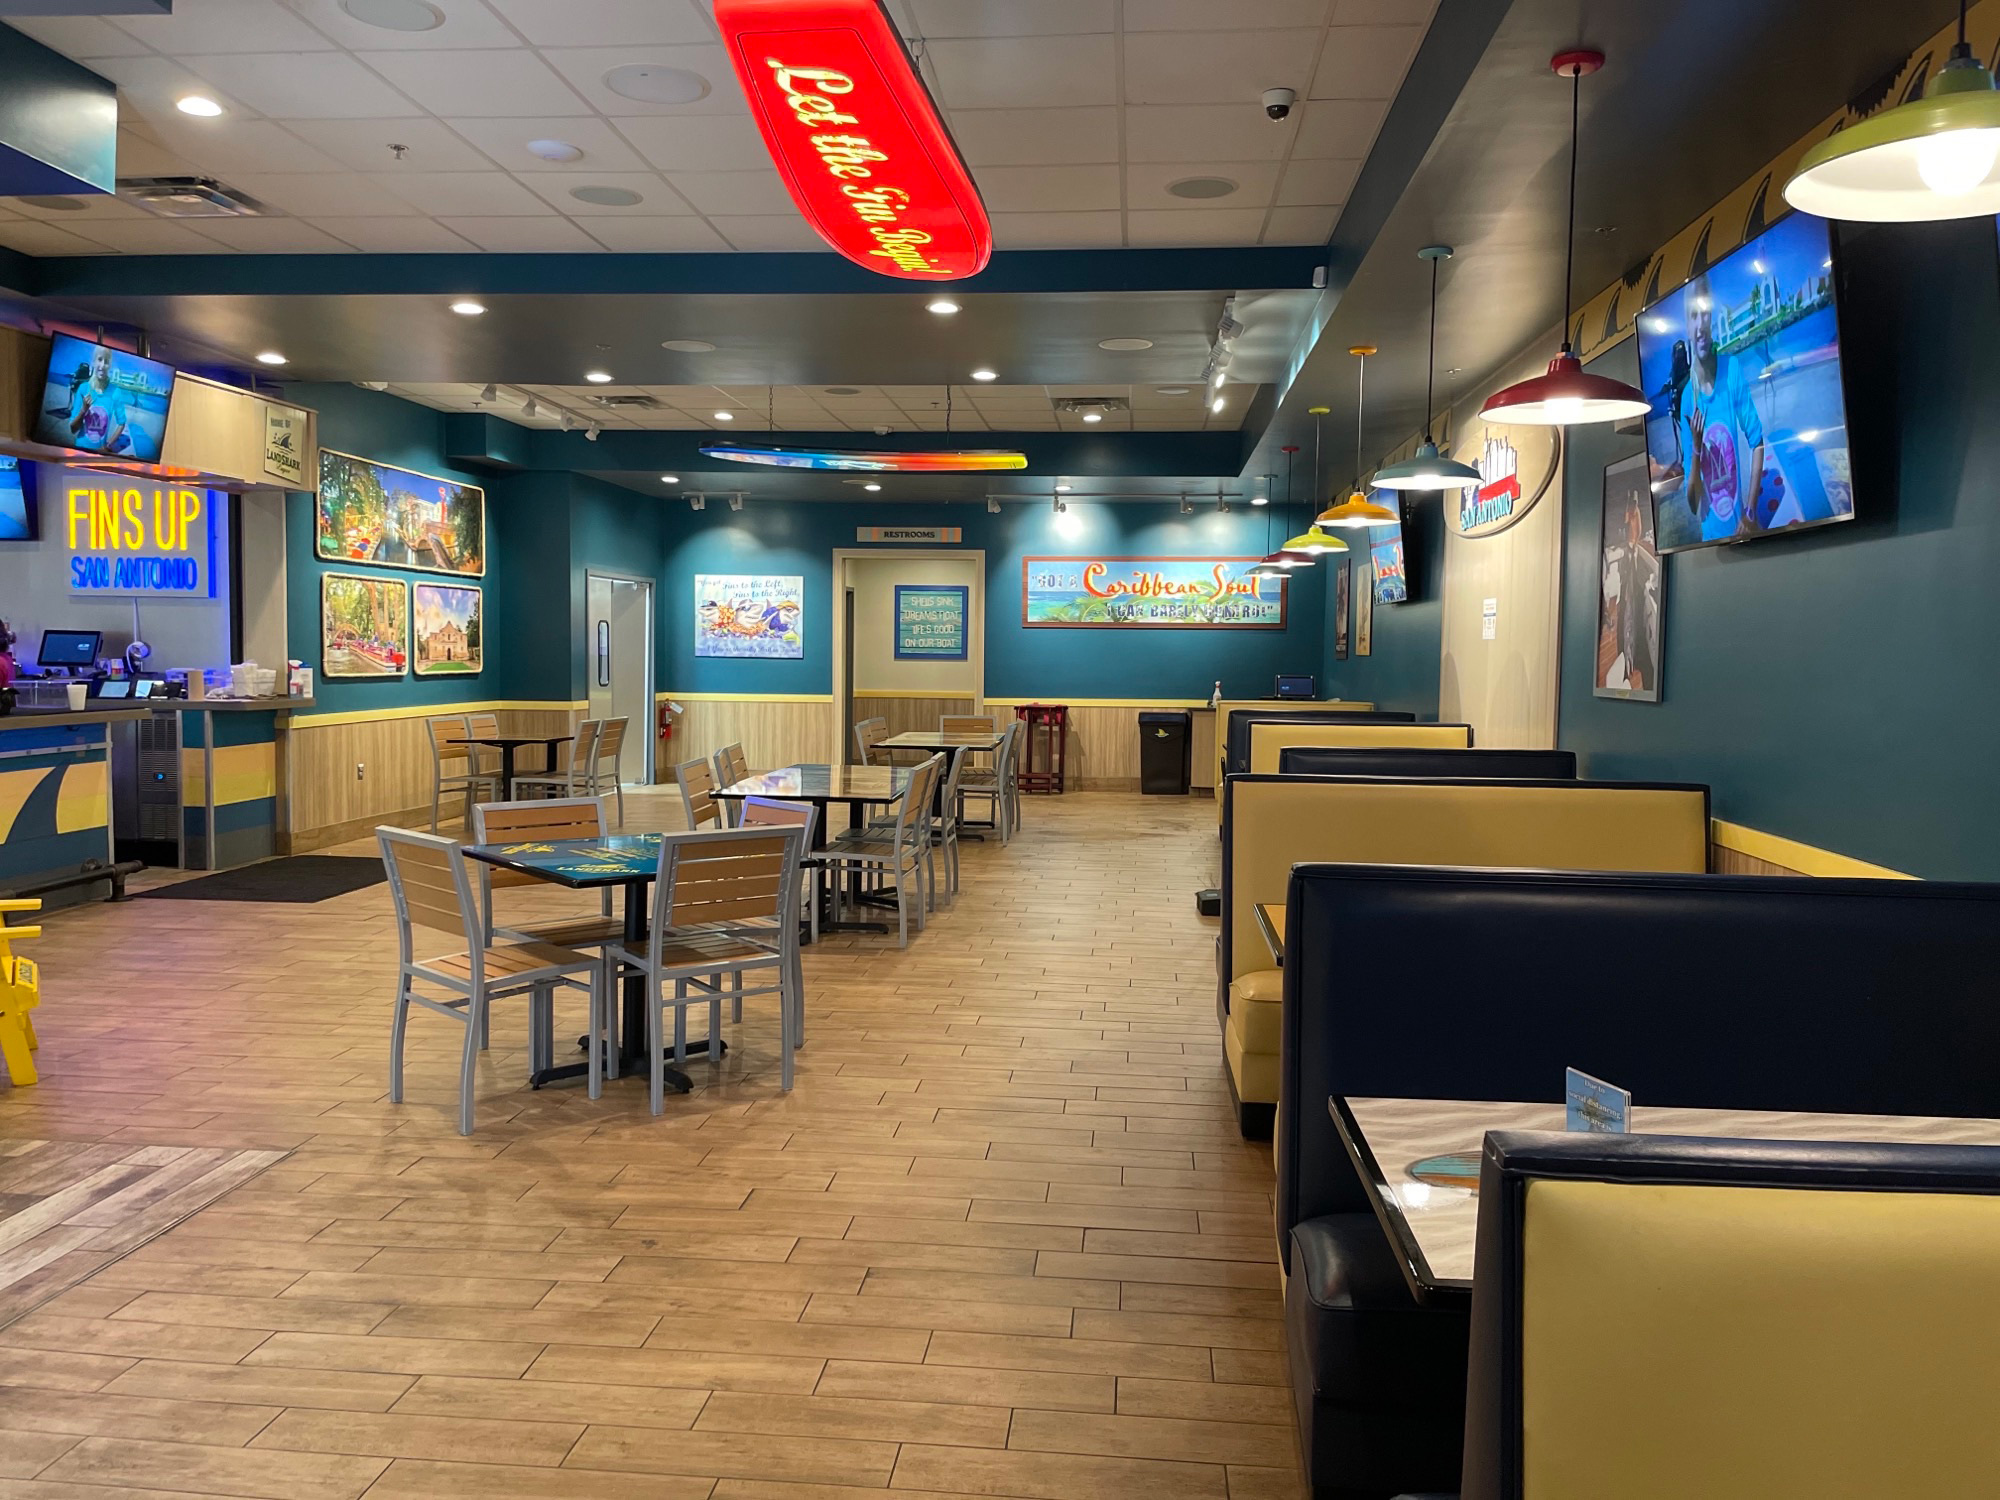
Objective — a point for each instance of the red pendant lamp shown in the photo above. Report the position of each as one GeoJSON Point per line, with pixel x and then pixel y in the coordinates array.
{"type": "Point", "coordinates": [1281, 562]}
{"type": "Point", "coordinates": [1566, 394]}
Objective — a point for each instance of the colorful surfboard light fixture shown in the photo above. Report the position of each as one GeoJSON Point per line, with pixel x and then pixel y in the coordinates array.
{"type": "Point", "coordinates": [1427, 469]}
{"type": "Point", "coordinates": [1567, 395]}
{"type": "Point", "coordinates": [850, 461]}
{"type": "Point", "coordinates": [1937, 157]}
{"type": "Point", "coordinates": [1357, 511]}
{"type": "Point", "coordinates": [856, 135]}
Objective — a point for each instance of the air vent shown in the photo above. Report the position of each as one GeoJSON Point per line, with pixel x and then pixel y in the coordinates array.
{"type": "Point", "coordinates": [1104, 406]}
{"type": "Point", "coordinates": [190, 198]}
{"type": "Point", "coordinates": [628, 403]}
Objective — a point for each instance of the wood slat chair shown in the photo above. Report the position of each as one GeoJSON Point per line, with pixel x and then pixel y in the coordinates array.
{"type": "Point", "coordinates": [571, 781]}
{"type": "Point", "coordinates": [731, 766]}
{"type": "Point", "coordinates": [899, 851]}
{"type": "Point", "coordinates": [710, 889]}
{"type": "Point", "coordinates": [965, 726]}
{"type": "Point", "coordinates": [945, 815]}
{"type": "Point", "coordinates": [697, 784]}
{"type": "Point", "coordinates": [610, 750]}
{"type": "Point", "coordinates": [999, 784]}
{"type": "Point", "coordinates": [770, 812]}
{"type": "Point", "coordinates": [868, 734]}
{"type": "Point", "coordinates": [431, 888]}
{"type": "Point", "coordinates": [455, 764]}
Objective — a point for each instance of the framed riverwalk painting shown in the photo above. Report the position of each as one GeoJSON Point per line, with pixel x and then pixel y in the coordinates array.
{"type": "Point", "coordinates": [364, 626]}
{"type": "Point", "coordinates": [367, 512]}
{"type": "Point", "coordinates": [448, 630]}
{"type": "Point", "coordinates": [749, 615]}
{"type": "Point", "coordinates": [1173, 593]}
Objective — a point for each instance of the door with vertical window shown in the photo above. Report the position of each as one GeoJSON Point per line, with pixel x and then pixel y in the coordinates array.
{"type": "Point", "coordinates": [619, 652]}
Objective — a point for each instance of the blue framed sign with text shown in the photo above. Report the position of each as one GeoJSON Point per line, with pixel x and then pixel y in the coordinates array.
{"type": "Point", "coordinates": [931, 622]}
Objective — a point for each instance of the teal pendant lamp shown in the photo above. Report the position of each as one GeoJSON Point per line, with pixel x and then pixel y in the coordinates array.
{"type": "Point", "coordinates": [1937, 157]}
{"type": "Point", "coordinates": [1429, 469]}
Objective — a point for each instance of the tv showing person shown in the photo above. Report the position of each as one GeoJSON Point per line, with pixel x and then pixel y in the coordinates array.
{"type": "Point", "coordinates": [104, 401]}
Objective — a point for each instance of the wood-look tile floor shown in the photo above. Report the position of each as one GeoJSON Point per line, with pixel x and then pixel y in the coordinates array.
{"type": "Point", "coordinates": [1002, 1239]}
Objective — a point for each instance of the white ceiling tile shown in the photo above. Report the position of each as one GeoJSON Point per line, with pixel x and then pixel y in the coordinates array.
{"type": "Point", "coordinates": [1383, 12]}
{"type": "Point", "coordinates": [652, 234]}
{"type": "Point", "coordinates": [148, 235]}
{"type": "Point", "coordinates": [1058, 231]}
{"type": "Point", "coordinates": [1204, 132]}
{"type": "Point", "coordinates": [478, 84]}
{"type": "Point", "coordinates": [1318, 181]}
{"type": "Point", "coordinates": [767, 232]}
{"type": "Point", "coordinates": [364, 144]}
{"type": "Point", "coordinates": [1035, 137]}
{"type": "Point", "coordinates": [266, 236]}
{"type": "Point", "coordinates": [225, 26]}
{"type": "Point", "coordinates": [982, 18]}
{"type": "Point", "coordinates": [37, 237]}
{"type": "Point", "coordinates": [606, 23]}
{"type": "Point", "coordinates": [697, 143]}
{"type": "Point", "coordinates": [79, 36]}
{"type": "Point", "coordinates": [1216, 67]}
{"type": "Point", "coordinates": [1049, 189]}
{"type": "Point", "coordinates": [89, 208]}
{"type": "Point", "coordinates": [246, 146]}
{"type": "Point", "coordinates": [148, 87]}
{"type": "Point", "coordinates": [467, 23]}
{"type": "Point", "coordinates": [1146, 184]}
{"type": "Point", "coordinates": [411, 236]}
{"type": "Point", "coordinates": [1339, 127]}
{"type": "Point", "coordinates": [1243, 15]}
{"type": "Point", "coordinates": [1026, 73]}
{"type": "Point", "coordinates": [140, 155]}
{"type": "Point", "coordinates": [1300, 226]}
{"type": "Point", "coordinates": [463, 193]}
{"type": "Point", "coordinates": [1365, 62]}
{"type": "Point", "coordinates": [1198, 226]}
{"type": "Point", "coordinates": [755, 192]}
{"type": "Point", "coordinates": [656, 199]}
{"type": "Point", "coordinates": [506, 141]}
{"type": "Point", "coordinates": [585, 68]}
{"type": "Point", "coordinates": [533, 236]}
{"type": "Point", "coordinates": [323, 194]}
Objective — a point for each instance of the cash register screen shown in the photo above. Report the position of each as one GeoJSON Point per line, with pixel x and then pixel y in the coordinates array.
{"type": "Point", "coordinates": [76, 649]}
{"type": "Point", "coordinates": [114, 687]}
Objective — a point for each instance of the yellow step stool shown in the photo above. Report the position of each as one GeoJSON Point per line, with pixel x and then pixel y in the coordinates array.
{"type": "Point", "coordinates": [20, 993]}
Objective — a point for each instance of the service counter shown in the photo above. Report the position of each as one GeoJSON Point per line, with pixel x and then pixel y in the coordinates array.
{"type": "Point", "coordinates": [55, 795]}
{"type": "Point", "coordinates": [205, 779]}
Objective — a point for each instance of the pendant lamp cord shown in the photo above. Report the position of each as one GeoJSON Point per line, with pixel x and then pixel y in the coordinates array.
{"type": "Point", "coordinates": [1288, 494]}
{"type": "Point", "coordinates": [1360, 401]}
{"type": "Point", "coordinates": [1569, 244]}
{"type": "Point", "coordinates": [1431, 369]}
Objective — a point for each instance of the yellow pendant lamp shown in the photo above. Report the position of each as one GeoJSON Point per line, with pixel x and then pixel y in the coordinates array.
{"type": "Point", "coordinates": [1357, 511]}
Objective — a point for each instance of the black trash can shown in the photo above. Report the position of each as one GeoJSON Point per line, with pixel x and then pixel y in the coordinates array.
{"type": "Point", "coordinates": [1166, 749]}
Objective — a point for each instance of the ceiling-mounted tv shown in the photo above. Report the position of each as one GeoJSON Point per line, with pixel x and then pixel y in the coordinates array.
{"type": "Point", "coordinates": [17, 501]}
{"type": "Point", "coordinates": [104, 401]}
{"type": "Point", "coordinates": [1747, 436]}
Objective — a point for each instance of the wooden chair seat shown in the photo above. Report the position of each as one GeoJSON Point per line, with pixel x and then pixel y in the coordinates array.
{"type": "Point", "coordinates": [691, 948]}
{"type": "Point", "coordinates": [567, 932]}
{"type": "Point", "coordinates": [511, 962]}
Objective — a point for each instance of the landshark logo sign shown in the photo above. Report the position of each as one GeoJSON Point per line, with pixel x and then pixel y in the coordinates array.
{"type": "Point", "coordinates": [1513, 476]}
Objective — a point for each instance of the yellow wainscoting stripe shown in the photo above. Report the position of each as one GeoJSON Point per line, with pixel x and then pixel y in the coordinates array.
{"type": "Point", "coordinates": [1067, 702]}
{"type": "Point", "coordinates": [16, 787]}
{"type": "Point", "coordinates": [909, 696]}
{"type": "Point", "coordinates": [243, 773]}
{"type": "Point", "coordinates": [84, 799]}
{"type": "Point", "coordinates": [745, 697]}
{"type": "Point", "coordinates": [436, 710]}
{"type": "Point", "coordinates": [1791, 854]}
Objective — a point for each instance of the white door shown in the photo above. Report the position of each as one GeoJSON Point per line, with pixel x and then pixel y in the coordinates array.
{"type": "Point", "coordinates": [619, 650]}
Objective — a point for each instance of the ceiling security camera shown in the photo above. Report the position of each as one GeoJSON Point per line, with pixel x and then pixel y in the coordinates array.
{"type": "Point", "coordinates": [1278, 102]}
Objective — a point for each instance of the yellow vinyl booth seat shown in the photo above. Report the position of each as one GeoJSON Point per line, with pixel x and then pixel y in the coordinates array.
{"type": "Point", "coordinates": [1267, 705]}
{"type": "Point", "coordinates": [1268, 741]}
{"type": "Point", "coordinates": [1271, 824]}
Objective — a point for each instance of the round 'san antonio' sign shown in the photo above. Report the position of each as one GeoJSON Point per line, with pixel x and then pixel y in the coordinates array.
{"type": "Point", "coordinates": [1517, 463]}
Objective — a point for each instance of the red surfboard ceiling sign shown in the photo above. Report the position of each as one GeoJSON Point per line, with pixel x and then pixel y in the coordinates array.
{"type": "Point", "coordinates": [856, 135]}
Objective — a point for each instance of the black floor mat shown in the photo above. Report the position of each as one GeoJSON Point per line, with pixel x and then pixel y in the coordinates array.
{"type": "Point", "coordinates": [300, 880]}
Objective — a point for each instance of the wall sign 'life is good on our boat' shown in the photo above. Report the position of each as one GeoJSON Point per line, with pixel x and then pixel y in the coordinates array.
{"type": "Point", "coordinates": [856, 136]}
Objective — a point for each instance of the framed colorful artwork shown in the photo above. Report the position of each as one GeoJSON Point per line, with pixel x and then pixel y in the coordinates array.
{"type": "Point", "coordinates": [364, 625]}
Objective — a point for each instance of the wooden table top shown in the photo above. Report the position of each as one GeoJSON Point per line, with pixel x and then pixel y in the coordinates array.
{"type": "Point", "coordinates": [936, 739]}
{"type": "Point", "coordinates": [819, 783]}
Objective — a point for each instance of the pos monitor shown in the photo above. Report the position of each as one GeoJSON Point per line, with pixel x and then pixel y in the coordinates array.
{"type": "Point", "coordinates": [75, 649]}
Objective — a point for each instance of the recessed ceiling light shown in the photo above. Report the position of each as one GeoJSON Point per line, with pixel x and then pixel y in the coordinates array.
{"type": "Point", "coordinates": [1172, 390]}
{"type": "Point", "coordinates": [1093, 416]}
{"type": "Point", "coordinates": [1216, 404]}
{"type": "Point", "coordinates": [467, 308]}
{"type": "Point", "coordinates": [725, 416]}
{"type": "Point", "coordinates": [395, 15]}
{"type": "Point", "coordinates": [944, 307]}
{"type": "Point", "coordinates": [650, 83]}
{"type": "Point", "coordinates": [198, 104]}
{"type": "Point", "coordinates": [607, 197]}
{"type": "Point", "coordinates": [598, 377]}
{"type": "Point", "coordinates": [985, 375]}
{"type": "Point", "coordinates": [1062, 489]}
{"type": "Point", "coordinates": [549, 150]}
{"type": "Point", "coordinates": [689, 346]}
{"type": "Point", "coordinates": [1124, 346]}
{"type": "Point", "coordinates": [871, 487]}
{"type": "Point", "coordinates": [1201, 188]}
{"type": "Point", "coordinates": [272, 357]}
{"type": "Point", "coordinates": [55, 202]}
{"type": "Point", "coordinates": [670, 479]}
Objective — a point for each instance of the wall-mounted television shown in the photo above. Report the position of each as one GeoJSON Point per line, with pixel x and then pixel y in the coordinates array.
{"type": "Point", "coordinates": [103, 401]}
{"type": "Point", "coordinates": [1747, 436]}
{"type": "Point", "coordinates": [1388, 562]}
{"type": "Point", "coordinates": [18, 517]}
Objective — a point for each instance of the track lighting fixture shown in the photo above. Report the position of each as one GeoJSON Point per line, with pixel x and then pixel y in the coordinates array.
{"type": "Point", "coordinates": [591, 432]}
{"type": "Point", "coordinates": [736, 502]}
{"type": "Point", "coordinates": [992, 506]}
{"type": "Point", "coordinates": [697, 502]}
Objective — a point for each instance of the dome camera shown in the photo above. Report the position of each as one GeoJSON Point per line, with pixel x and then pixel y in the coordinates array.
{"type": "Point", "coordinates": [1278, 102]}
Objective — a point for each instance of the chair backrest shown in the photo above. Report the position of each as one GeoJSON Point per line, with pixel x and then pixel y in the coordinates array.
{"type": "Point", "coordinates": [919, 802]}
{"type": "Point", "coordinates": [869, 733]}
{"type": "Point", "coordinates": [1007, 761]}
{"type": "Point", "coordinates": [697, 783]}
{"type": "Point", "coordinates": [731, 875]}
{"type": "Point", "coordinates": [483, 726]}
{"type": "Point", "coordinates": [430, 887]}
{"type": "Point", "coordinates": [533, 822]}
{"type": "Point", "coordinates": [946, 811]}
{"type": "Point", "coordinates": [965, 726]}
{"type": "Point", "coordinates": [583, 746]}
{"type": "Point", "coordinates": [611, 737]}
{"type": "Point", "coordinates": [1797, 1318]}
{"type": "Point", "coordinates": [731, 764]}
{"type": "Point", "coordinates": [1426, 764]}
{"type": "Point", "coordinates": [448, 734]}
{"type": "Point", "coordinates": [1271, 738]}
{"type": "Point", "coordinates": [771, 812]}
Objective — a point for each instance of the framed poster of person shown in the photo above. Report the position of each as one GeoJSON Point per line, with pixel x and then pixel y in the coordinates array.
{"type": "Point", "coordinates": [1631, 617]}
{"type": "Point", "coordinates": [1341, 614]}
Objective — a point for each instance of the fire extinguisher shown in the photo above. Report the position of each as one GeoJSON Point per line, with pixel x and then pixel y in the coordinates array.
{"type": "Point", "coordinates": [666, 726]}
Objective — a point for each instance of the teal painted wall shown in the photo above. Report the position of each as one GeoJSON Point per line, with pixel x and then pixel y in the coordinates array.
{"type": "Point", "coordinates": [1402, 671]}
{"type": "Point", "coordinates": [1836, 687]}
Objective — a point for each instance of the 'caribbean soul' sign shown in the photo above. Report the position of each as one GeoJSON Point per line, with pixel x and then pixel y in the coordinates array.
{"type": "Point", "coordinates": [133, 541]}
{"type": "Point", "coordinates": [1171, 592]}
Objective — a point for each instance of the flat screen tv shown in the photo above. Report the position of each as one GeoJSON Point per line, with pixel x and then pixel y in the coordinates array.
{"type": "Point", "coordinates": [103, 401]}
{"type": "Point", "coordinates": [1387, 562]}
{"type": "Point", "coordinates": [17, 501]}
{"type": "Point", "coordinates": [1747, 436]}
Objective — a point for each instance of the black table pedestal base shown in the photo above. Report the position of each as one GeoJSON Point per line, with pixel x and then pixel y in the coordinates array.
{"type": "Point", "coordinates": [630, 1065]}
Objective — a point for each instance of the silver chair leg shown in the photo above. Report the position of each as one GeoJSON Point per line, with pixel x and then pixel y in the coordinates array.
{"type": "Point", "coordinates": [655, 1003]}
{"type": "Point", "coordinates": [468, 1067]}
{"type": "Point", "coordinates": [398, 1024]}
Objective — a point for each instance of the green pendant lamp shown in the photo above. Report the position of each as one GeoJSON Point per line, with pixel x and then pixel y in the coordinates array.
{"type": "Point", "coordinates": [1357, 511]}
{"type": "Point", "coordinates": [1429, 469]}
{"type": "Point", "coordinates": [1937, 157]}
{"type": "Point", "coordinates": [1566, 394]}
